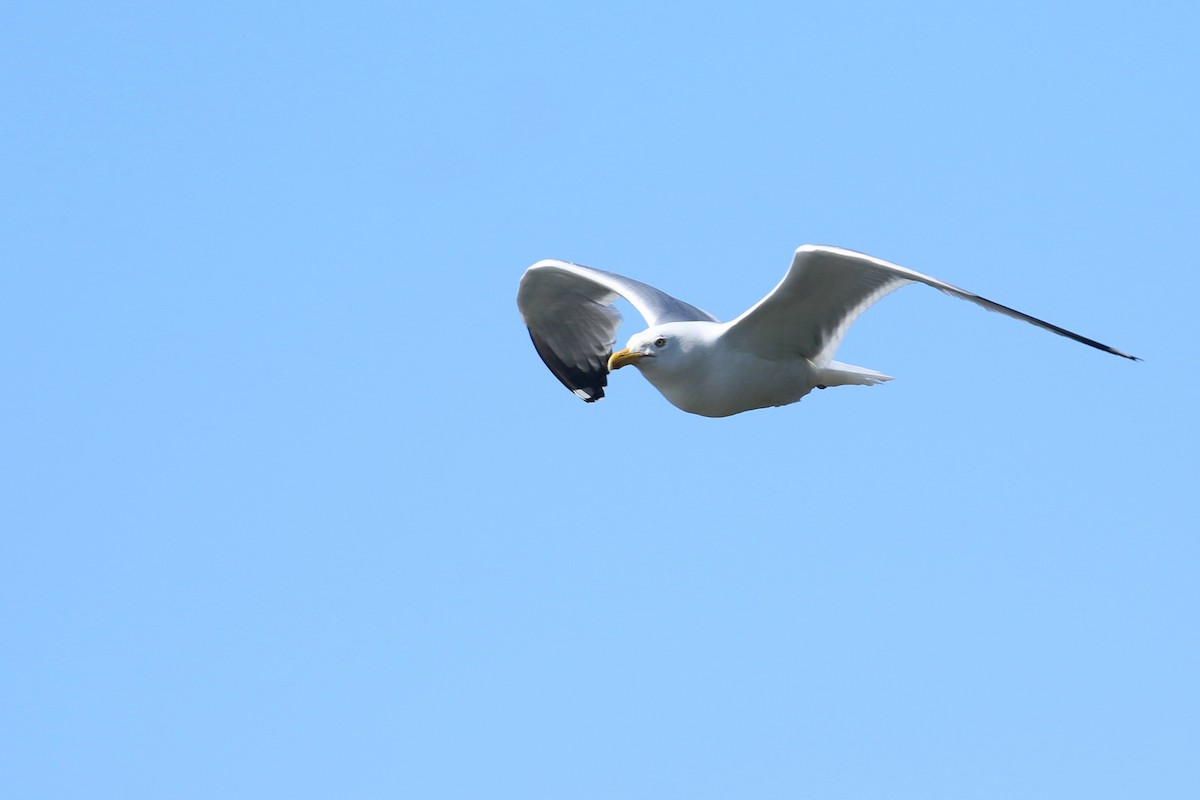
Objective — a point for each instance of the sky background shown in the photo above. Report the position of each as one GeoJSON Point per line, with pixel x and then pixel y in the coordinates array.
{"type": "Point", "coordinates": [291, 508]}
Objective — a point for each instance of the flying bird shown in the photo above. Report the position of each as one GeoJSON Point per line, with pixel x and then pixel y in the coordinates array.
{"type": "Point", "coordinates": [772, 355]}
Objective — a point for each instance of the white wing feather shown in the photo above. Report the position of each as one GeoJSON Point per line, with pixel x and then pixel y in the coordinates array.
{"type": "Point", "coordinates": [827, 288]}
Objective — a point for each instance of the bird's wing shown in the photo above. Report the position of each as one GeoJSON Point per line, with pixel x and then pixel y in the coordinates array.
{"type": "Point", "coordinates": [827, 288]}
{"type": "Point", "coordinates": [569, 311]}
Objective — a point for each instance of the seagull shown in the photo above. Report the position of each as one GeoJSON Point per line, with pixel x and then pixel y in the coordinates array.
{"type": "Point", "coordinates": [772, 355]}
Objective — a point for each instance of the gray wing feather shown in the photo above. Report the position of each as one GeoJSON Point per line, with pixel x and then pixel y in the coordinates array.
{"type": "Point", "coordinates": [569, 311]}
{"type": "Point", "coordinates": [827, 288]}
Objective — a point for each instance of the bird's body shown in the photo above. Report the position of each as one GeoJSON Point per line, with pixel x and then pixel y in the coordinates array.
{"type": "Point", "coordinates": [772, 355]}
{"type": "Point", "coordinates": [717, 381]}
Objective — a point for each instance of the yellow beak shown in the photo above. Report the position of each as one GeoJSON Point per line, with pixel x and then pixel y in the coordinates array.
{"type": "Point", "coordinates": [623, 358]}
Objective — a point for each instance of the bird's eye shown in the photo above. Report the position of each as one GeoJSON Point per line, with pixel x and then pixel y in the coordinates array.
{"type": "Point", "coordinates": [660, 341]}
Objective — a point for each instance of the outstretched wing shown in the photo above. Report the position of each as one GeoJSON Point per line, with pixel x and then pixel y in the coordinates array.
{"type": "Point", "coordinates": [827, 288]}
{"type": "Point", "coordinates": [569, 311]}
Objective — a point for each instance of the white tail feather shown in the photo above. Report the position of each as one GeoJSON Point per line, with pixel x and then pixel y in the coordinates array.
{"type": "Point", "coordinates": [835, 373]}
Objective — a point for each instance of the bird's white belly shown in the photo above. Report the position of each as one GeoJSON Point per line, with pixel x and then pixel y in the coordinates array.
{"type": "Point", "coordinates": [738, 382]}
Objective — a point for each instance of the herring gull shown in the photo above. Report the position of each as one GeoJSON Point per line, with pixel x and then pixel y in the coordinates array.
{"type": "Point", "coordinates": [772, 355]}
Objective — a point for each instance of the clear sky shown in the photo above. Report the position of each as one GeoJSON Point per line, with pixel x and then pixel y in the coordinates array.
{"type": "Point", "coordinates": [291, 508]}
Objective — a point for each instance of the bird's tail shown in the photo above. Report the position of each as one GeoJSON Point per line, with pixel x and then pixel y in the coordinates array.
{"type": "Point", "coordinates": [835, 373]}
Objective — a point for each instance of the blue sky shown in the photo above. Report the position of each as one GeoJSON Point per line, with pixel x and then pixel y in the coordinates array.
{"type": "Point", "coordinates": [293, 509]}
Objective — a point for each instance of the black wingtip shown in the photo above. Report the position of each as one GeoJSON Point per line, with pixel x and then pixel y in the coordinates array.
{"type": "Point", "coordinates": [586, 384]}
{"type": "Point", "coordinates": [589, 394]}
{"type": "Point", "coordinates": [992, 305]}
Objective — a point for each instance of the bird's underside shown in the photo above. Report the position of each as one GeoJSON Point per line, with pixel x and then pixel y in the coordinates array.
{"type": "Point", "coordinates": [773, 354]}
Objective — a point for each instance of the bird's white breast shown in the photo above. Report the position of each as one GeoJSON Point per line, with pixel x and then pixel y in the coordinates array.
{"type": "Point", "coordinates": [719, 381]}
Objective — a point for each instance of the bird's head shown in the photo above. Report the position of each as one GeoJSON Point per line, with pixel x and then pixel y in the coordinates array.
{"type": "Point", "coordinates": [645, 345]}
{"type": "Point", "coordinates": [657, 349]}
{"type": "Point", "coordinates": [677, 358]}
